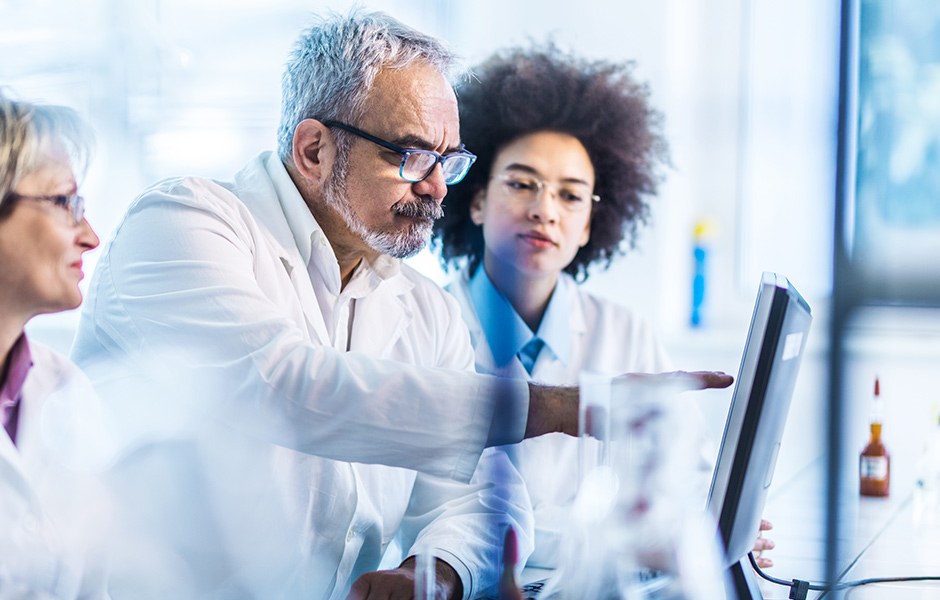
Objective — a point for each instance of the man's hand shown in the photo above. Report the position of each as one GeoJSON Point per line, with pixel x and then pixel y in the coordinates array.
{"type": "Point", "coordinates": [710, 380]}
{"type": "Point", "coordinates": [762, 544]}
{"type": "Point", "coordinates": [684, 380]}
{"type": "Point", "coordinates": [554, 409]}
{"type": "Point", "coordinates": [399, 584]}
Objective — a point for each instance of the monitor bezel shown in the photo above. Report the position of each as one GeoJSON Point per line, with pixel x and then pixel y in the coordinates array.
{"type": "Point", "coordinates": [778, 305]}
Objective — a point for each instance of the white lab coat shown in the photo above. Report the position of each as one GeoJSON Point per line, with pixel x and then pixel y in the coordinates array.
{"type": "Point", "coordinates": [203, 295]}
{"type": "Point", "coordinates": [52, 509]}
{"type": "Point", "coordinates": [218, 267]}
{"type": "Point", "coordinates": [604, 338]}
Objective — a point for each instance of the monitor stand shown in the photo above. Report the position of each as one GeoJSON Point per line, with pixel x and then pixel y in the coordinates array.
{"type": "Point", "coordinates": [744, 580]}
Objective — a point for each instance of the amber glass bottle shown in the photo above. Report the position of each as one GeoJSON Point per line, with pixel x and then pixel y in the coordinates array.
{"type": "Point", "coordinates": [874, 464]}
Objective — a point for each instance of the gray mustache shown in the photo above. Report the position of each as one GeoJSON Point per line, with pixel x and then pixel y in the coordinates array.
{"type": "Point", "coordinates": [423, 209]}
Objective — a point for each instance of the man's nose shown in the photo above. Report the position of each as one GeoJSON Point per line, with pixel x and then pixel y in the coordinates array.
{"type": "Point", "coordinates": [433, 185]}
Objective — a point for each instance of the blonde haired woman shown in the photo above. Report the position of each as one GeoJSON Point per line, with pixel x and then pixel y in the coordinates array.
{"type": "Point", "coordinates": [43, 397]}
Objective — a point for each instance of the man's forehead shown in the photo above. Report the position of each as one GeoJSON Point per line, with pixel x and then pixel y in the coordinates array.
{"type": "Point", "coordinates": [415, 102]}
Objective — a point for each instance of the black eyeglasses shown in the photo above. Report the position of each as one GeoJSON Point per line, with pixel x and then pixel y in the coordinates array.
{"type": "Point", "coordinates": [417, 164]}
{"type": "Point", "coordinates": [74, 204]}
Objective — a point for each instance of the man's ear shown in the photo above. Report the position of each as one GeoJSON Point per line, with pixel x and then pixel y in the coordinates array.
{"type": "Point", "coordinates": [314, 150]}
{"type": "Point", "coordinates": [477, 205]}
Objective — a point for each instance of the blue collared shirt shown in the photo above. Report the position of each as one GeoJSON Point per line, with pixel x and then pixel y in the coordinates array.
{"type": "Point", "coordinates": [506, 332]}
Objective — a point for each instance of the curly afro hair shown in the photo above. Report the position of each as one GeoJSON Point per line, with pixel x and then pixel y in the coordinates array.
{"type": "Point", "coordinates": [521, 91]}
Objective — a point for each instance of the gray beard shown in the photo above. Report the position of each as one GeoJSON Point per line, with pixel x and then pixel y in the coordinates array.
{"type": "Point", "coordinates": [397, 245]}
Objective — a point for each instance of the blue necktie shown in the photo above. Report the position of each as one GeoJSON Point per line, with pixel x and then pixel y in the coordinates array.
{"type": "Point", "coordinates": [529, 353]}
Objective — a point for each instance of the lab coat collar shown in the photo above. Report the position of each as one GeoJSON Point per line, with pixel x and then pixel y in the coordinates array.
{"type": "Point", "coordinates": [294, 230]}
{"type": "Point", "coordinates": [264, 186]}
{"type": "Point", "coordinates": [305, 229]}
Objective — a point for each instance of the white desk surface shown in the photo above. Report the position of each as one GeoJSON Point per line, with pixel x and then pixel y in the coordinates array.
{"type": "Point", "coordinates": [881, 533]}
{"type": "Point", "coordinates": [881, 537]}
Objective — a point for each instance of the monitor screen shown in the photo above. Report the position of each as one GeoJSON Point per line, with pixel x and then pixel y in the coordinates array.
{"type": "Point", "coordinates": [764, 387]}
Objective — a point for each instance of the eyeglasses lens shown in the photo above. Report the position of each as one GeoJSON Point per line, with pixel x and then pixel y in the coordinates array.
{"type": "Point", "coordinates": [571, 197]}
{"type": "Point", "coordinates": [418, 165]}
{"type": "Point", "coordinates": [77, 204]}
{"type": "Point", "coordinates": [455, 167]}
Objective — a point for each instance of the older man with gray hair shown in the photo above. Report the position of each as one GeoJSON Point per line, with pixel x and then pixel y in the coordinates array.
{"type": "Point", "coordinates": [277, 304]}
{"type": "Point", "coordinates": [278, 300]}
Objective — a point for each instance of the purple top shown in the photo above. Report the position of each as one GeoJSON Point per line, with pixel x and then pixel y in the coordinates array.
{"type": "Point", "coordinates": [18, 364]}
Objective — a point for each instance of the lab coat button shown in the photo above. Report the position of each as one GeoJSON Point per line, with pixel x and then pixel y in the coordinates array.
{"type": "Point", "coordinates": [349, 536]}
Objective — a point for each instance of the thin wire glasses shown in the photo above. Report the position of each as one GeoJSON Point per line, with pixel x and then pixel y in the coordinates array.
{"type": "Point", "coordinates": [417, 164]}
{"type": "Point", "coordinates": [74, 204]}
{"type": "Point", "coordinates": [569, 195]}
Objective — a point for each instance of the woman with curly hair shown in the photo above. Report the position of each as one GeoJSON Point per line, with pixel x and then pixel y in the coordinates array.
{"type": "Point", "coordinates": [567, 157]}
{"type": "Point", "coordinates": [598, 105]}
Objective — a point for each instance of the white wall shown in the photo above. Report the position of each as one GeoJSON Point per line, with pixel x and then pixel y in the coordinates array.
{"type": "Point", "coordinates": [177, 87]}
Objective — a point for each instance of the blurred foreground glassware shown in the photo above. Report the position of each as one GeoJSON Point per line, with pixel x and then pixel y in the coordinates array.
{"type": "Point", "coordinates": [636, 531]}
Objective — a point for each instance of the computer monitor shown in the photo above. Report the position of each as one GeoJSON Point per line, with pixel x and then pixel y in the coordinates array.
{"type": "Point", "coordinates": [751, 441]}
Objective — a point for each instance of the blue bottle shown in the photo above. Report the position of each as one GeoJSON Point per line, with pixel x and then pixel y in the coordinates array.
{"type": "Point", "coordinates": [700, 253]}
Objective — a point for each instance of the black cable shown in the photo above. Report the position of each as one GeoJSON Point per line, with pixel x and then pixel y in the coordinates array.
{"type": "Point", "coordinates": [799, 588]}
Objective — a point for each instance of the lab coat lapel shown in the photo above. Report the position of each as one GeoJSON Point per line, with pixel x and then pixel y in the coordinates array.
{"type": "Point", "coordinates": [548, 368]}
{"type": "Point", "coordinates": [300, 280]}
{"type": "Point", "coordinates": [384, 318]}
{"type": "Point", "coordinates": [257, 191]}
{"type": "Point", "coordinates": [515, 370]}
{"type": "Point", "coordinates": [12, 462]}
{"type": "Point", "coordinates": [12, 470]}
{"type": "Point", "coordinates": [577, 321]}
{"type": "Point", "coordinates": [485, 362]}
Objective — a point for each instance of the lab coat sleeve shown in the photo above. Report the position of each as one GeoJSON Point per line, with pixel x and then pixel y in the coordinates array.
{"type": "Point", "coordinates": [182, 296]}
{"type": "Point", "coordinates": [464, 525]}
